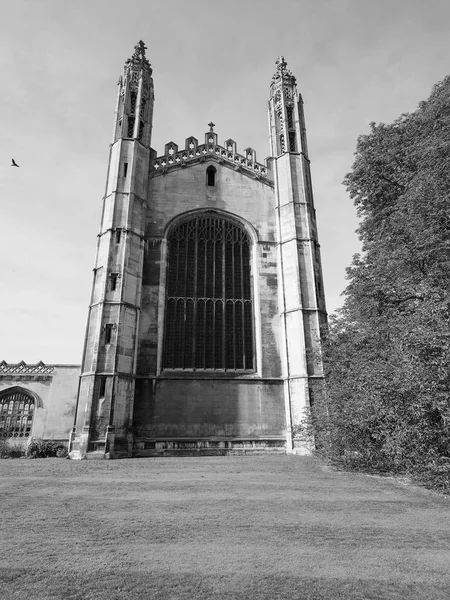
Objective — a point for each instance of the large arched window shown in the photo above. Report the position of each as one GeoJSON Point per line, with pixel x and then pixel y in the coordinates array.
{"type": "Point", "coordinates": [209, 314]}
{"type": "Point", "coordinates": [16, 413]}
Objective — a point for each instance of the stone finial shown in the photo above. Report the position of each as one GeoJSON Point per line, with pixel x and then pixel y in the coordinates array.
{"type": "Point", "coordinates": [139, 51]}
{"type": "Point", "coordinates": [211, 126]}
{"type": "Point", "coordinates": [282, 75]}
{"type": "Point", "coordinates": [281, 63]}
{"type": "Point", "coordinates": [138, 58]}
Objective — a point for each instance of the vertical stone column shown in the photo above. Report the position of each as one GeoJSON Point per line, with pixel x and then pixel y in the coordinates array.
{"type": "Point", "coordinates": [103, 423]}
{"type": "Point", "coordinates": [302, 303]}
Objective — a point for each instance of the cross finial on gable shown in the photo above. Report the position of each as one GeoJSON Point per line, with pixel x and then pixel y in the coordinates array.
{"type": "Point", "coordinates": [211, 126]}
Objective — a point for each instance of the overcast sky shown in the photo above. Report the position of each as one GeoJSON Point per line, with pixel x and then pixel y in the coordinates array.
{"type": "Point", "coordinates": [356, 61]}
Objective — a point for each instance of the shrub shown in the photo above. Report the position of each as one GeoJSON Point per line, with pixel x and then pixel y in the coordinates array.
{"type": "Point", "coordinates": [386, 353]}
{"type": "Point", "coordinates": [38, 448]}
{"type": "Point", "coordinates": [436, 475]}
{"type": "Point", "coordinates": [8, 450]}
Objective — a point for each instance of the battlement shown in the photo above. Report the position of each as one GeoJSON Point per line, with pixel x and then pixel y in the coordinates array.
{"type": "Point", "coordinates": [23, 369]}
{"type": "Point", "coordinates": [194, 152]}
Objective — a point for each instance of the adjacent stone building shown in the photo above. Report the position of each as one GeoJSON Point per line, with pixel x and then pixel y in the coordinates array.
{"type": "Point", "coordinates": [37, 400]}
{"type": "Point", "coordinates": [203, 332]}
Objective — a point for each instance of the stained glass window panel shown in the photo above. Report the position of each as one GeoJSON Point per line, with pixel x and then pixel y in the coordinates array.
{"type": "Point", "coordinates": [209, 313]}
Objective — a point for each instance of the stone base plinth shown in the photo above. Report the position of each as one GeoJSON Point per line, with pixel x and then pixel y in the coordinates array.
{"type": "Point", "coordinates": [203, 447]}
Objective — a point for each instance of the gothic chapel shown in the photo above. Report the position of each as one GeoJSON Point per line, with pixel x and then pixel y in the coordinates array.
{"type": "Point", "coordinates": [203, 333]}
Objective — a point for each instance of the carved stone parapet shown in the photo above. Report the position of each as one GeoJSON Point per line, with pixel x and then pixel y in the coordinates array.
{"type": "Point", "coordinates": [23, 369]}
{"type": "Point", "coordinates": [199, 153]}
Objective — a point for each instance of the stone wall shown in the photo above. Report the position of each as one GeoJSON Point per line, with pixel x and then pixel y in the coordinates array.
{"type": "Point", "coordinates": [209, 407]}
{"type": "Point", "coordinates": [54, 388]}
{"type": "Point", "coordinates": [203, 404]}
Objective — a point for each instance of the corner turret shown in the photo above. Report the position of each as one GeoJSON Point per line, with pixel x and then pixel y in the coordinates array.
{"type": "Point", "coordinates": [135, 97]}
{"type": "Point", "coordinates": [104, 414]}
{"type": "Point", "coordinates": [302, 301]}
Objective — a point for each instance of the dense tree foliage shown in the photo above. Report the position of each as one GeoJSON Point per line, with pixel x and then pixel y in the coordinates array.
{"type": "Point", "coordinates": [387, 353]}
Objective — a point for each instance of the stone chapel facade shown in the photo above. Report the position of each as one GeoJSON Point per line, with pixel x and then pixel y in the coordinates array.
{"type": "Point", "coordinates": [207, 301]}
{"type": "Point", "coordinates": [203, 332]}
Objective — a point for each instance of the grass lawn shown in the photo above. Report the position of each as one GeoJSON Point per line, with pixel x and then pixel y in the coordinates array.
{"type": "Point", "coordinates": [211, 528]}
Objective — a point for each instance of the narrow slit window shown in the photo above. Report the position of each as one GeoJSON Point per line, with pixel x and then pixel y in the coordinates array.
{"type": "Point", "coordinates": [125, 169]}
{"type": "Point", "coordinates": [118, 235]}
{"type": "Point", "coordinates": [108, 333]}
{"type": "Point", "coordinates": [292, 146]}
{"type": "Point", "coordinates": [113, 281]}
{"type": "Point", "coordinates": [102, 387]}
{"type": "Point", "coordinates": [211, 176]}
{"type": "Point", "coordinates": [319, 289]}
{"type": "Point", "coordinates": [290, 117]}
{"type": "Point", "coordinates": [130, 126]}
{"type": "Point", "coordinates": [133, 98]}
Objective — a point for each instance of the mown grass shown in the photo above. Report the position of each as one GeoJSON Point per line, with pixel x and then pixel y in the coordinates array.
{"type": "Point", "coordinates": [268, 528]}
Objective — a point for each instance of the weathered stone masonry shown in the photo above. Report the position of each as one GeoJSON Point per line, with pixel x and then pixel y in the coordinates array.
{"type": "Point", "coordinates": [37, 401]}
{"type": "Point", "coordinates": [203, 331]}
{"type": "Point", "coordinates": [204, 325]}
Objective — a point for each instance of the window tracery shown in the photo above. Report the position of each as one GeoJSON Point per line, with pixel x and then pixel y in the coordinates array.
{"type": "Point", "coordinates": [292, 146]}
{"type": "Point", "coordinates": [133, 97]}
{"type": "Point", "coordinates": [130, 126]}
{"type": "Point", "coordinates": [290, 117]}
{"type": "Point", "coordinates": [16, 414]}
{"type": "Point", "coordinates": [209, 309]}
{"type": "Point", "coordinates": [131, 116]}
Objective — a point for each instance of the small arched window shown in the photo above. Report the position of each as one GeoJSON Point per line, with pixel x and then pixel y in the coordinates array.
{"type": "Point", "coordinates": [210, 176]}
{"type": "Point", "coordinates": [209, 310]}
{"type": "Point", "coordinates": [16, 414]}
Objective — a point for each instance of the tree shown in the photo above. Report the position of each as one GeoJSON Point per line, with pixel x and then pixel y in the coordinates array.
{"type": "Point", "coordinates": [387, 354]}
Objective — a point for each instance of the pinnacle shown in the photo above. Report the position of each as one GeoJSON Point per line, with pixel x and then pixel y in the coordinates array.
{"type": "Point", "coordinates": [139, 50]}
{"type": "Point", "coordinates": [281, 63]}
{"type": "Point", "coordinates": [138, 59]}
{"type": "Point", "coordinates": [282, 73]}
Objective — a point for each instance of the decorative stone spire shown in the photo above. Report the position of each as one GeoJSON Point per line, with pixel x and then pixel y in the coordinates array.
{"type": "Point", "coordinates": [283, 111]}
{"type": "Point", "coordinates": [137, 66]}
{"type": "Point", "coordinates": [138, 58]}
{"type": "Point", "coordinates": [282, 75]}
{"type": "Point", "coordinates": [134, 107]}
{"type": "Point", "coordinates": [302, 303]}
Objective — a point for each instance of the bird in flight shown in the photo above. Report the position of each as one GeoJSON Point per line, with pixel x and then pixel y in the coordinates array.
{"type": "Point", "coordinates": [14, 164]}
